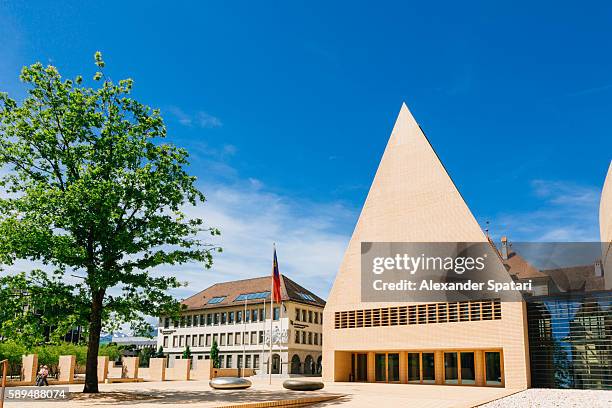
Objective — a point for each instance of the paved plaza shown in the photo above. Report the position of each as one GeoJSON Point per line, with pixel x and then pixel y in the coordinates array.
{"type": "Point", "coordinates": [197, 394]}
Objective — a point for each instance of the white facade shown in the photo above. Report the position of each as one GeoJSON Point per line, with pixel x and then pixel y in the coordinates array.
{"type": "Point", "coordinates": [296, 336]}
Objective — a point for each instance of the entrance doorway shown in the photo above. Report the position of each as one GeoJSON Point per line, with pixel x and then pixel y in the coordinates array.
{"type": "Point", "coordinates": [387, 367]}
{"type": "Point", "coordinates": [275, 364]}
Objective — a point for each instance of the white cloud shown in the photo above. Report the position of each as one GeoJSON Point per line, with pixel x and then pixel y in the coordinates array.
{"type": "Point", "coordinates": [199, 118]}
{"type": "Point", "coordinates": [567, 212]}
{"type": "Point", "coordinates": [310, 238]}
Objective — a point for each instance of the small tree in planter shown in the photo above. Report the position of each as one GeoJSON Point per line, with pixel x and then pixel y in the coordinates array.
{"type": "Point", "coordinates": [214, 355]}
{"type": "Point", "coordinates": [187, 353]}
{"type": "Point", "coordinates": [160, 352]}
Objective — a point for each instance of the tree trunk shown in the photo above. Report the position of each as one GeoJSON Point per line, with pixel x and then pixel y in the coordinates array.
{"type": "Point", "coordinates": [93, 344]}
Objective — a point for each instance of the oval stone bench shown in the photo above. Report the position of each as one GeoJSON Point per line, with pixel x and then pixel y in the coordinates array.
{"type": "Point", "coordinates": [302, 385]}
{"type": "Point", "coordinates": [229, 383]}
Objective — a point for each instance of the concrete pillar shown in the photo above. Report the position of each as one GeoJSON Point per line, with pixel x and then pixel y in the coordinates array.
{"type": "Point", "coordinates": [403, 367]}
{"type": "Point", "coordinates": [181, 369]}
{"type": "Point", "coordinates": [479, 367]}
{"type": "Point", "coordinates": [66, 368]}
{"type": "Point", "coordinates": [157, 369]}
{"type": "Point", "coordinates": [29, 368]}
{"type": "Point", "coordinates": [371, 367]}
{"type": "Point", "coordinates": [130, 367]}
{"type": "Point", "coordinates": [439, 366]}
{"type": "Point", "coordinates": [102, 368]}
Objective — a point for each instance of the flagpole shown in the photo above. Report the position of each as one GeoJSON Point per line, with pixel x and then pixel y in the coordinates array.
{"type": "Point", "coordinates": [271, 314]}
{"type": "Point", "coordinates": [243, 341]}
{"type": "Point", "coordinates": [263, 343]}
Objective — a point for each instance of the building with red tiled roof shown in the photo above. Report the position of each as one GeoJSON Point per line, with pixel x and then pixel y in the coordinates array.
{"type": "Point", "coordinates": [236, 315]}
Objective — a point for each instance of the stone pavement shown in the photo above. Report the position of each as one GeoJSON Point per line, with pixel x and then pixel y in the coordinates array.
{"type": "Point", "coordinates": [197, 394]}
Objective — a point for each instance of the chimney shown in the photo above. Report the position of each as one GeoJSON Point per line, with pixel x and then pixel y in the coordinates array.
{"type": "Point", "coordinates": [598, 268]}
{"type": "Point", "coordinates": [504, 248]}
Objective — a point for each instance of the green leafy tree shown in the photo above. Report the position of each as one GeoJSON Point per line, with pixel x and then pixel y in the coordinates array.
{"type": "Point", "coordinates": [37, 309]}
{"type": "Point", "coordinates": [214, 354]}
{"type": "Point", "coordinates": [94, 192]}
{"type": "Point", "coordinates": [187, 353]}
{"type": "Point", "coordinates": [160, 352]}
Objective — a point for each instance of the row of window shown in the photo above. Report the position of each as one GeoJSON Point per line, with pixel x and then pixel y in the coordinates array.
{"type": "Point", "coordinates": [227, 361]}
{"type": "Point", "coordinates": [303, 337]}
{"type": "Point", "coordinates": [218, 318]}
{"type": "Point", "coordinates": [308, 316]}
{"type": "Point", "coordinates": [420, 314]}
{"type": "Point", "coordinates": [222, 339]}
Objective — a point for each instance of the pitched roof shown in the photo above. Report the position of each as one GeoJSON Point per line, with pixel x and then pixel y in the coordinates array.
{"type": "Point", "coordinates": [229, 291]}
{"type": "Point", "coordinates": [521, 268]}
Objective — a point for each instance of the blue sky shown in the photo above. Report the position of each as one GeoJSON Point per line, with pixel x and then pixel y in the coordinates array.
{"type": "Point", "coordinates": [286, 108]}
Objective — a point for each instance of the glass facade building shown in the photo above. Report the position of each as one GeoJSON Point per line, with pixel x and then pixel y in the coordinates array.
{"type": "Point", "coordinates": [570, 340]}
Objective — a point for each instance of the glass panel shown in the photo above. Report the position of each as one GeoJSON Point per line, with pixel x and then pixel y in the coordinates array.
{"type": "Point", "coordinates": [414, 368]}
{"type": "Point", "coordinates": [429, 369]}
{"type": "Point", "coordinates": [468, 372]}
{"type": "Point", "coordinates": [493, 368]}
{"type": "Point", "coordinates": [393, 367]}
{"type": "Point", "coordinates": [380, 367]}
{"type": "Point", "coordinates": [362, 367]}
{"type": "Point", "coordinates": [451, 373]}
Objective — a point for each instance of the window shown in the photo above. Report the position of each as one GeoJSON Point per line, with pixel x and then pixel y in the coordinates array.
{"type": "Point", "coordinates": [230, 339]}
{"type": "Point", "coordinates": [262, 315]}
{"type": "Point", "coordinates": [249, 296]}
{"type": "Point", "coordinates": [182, 324]}
{"type": "Point", "coordinates": [304, 316]}
{"type": "Point", "coordinates": [187, 340]}
{"type": "Point", "coordinates": [166, 322]}
{"type": "Point", "coordinates": [194, 341]}
{"type": "Point", "coordinates": [276, 313]}
{"type": "Point", "coordinates": [297, 315]}
{"type": "Point", "coordinates": [216, 300]}
{"type": "Point", "coordinates": [297, 337]}
{"type": "Point", "coordinates": [255, 318]}
{"type": "Point", "coordinates": [215, 338]}
{"type": "Point", "coordinates": [181, 341]}
{"type": "Point", "coordinates": [247, 316]}
{"type": "Point", "coordinates": [208, 339]}
{"type": "Point", "coordinates": [393, 367]}
{"type": "Point", "coordinates": [238, 336]}
{"type": "Point", "coordinates": [254, 337]}
{"type": "Point", "coordinates": [228, 361]}
{"type": "Point", "coordinates": [468, 370]}
{"type": "Point", "coordinates": [209, 319]}
{"type": "Point", "coordinates": [202, 320]}
{"type": "Point", "coordinates": [239, 361]}
{"type": "Point", "coordinates": [309, 337]}
{"type": "Point", "coordinates": [189, 321]}
{"type": "Point", "coordinates": [248, 361]}
{"type": "Point", "coordinates": [202, 344]}
{"type": "Point", "coordinates": [321, 319]}
{"type": "Point", "coordinates": [216, 318]}
{"type": "Point", "coordinates": [493, 368]}
{"type": "Point", "coordinates": [239, 316]}
{"type": "Point", "coordinates": [306, 296]}
{"type": "Point", "coordinates": [310, 316]}
{"type": "Point", "coordinates": [261, 337]}
{"type": "Point", "coordinates": [414, 368]}
{"type": "Point", "coordinates": [223, 339]}
{"type": "Point", "coordinates": [380, 367]}
{"type": "Point", "coordinates": [246, 338]}
{"type": "Point", "coordinates": [230, 317]}
{"type": "Point", "coordinates": [451, 372]}
{"type": "Point", "coordinates": [223, 318]}
{"type": "Point", "coordinates": [304, 337]}
{"type": "Point", "coordinates": [256, 361]}
{"type": "Point", "coordinates": [316, 317]}
{"type": "Point", "coordinates": [429, 368]}
{"type": "Point", "coordinates": [221, 361]}
{"type": "Point", "coordinates": [316, 338]}
{"type": "Point", "coordinates": [165, 343]}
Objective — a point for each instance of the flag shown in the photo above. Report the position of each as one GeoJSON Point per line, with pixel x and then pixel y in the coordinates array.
{"type": "Point", "coordinates": [276, 283]}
